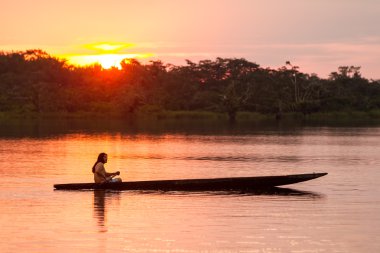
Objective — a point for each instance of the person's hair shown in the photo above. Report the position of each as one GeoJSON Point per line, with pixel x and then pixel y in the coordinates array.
{"type": "Point", "coordinates": [100, 159]}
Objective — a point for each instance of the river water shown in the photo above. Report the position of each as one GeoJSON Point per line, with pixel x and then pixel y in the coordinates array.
{"type": "Point", "coordinates": [336, 213]}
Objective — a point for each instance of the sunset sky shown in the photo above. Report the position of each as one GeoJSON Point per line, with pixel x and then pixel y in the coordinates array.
{"type": "Point", "coordinates": [317, 35]}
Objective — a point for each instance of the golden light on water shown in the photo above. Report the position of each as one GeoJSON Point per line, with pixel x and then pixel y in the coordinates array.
{"type": "Point", "coordinates": [106, 54]}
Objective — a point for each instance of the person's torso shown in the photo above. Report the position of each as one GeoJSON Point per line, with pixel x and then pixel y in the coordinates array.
{"type": "Point", "coordinates": [99, 171]}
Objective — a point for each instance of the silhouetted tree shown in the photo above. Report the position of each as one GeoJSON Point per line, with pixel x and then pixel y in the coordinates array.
{"type": "Point", "coordinates": [34, 81]}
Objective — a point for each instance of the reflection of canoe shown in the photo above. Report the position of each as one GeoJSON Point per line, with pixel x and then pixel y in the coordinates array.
{"type": "Point", "coordinates": [213, 184]}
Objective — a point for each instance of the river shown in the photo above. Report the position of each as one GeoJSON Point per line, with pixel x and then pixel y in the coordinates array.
{"type": "Point", "coordinates": [336, 213]}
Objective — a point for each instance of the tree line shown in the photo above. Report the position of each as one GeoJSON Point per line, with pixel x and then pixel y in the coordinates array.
{"type": "Point", "coordinates": [34, 81]}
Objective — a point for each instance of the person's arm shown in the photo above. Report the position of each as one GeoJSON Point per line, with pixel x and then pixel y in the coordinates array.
{"type": "Point", "coordinates": [113, 174]}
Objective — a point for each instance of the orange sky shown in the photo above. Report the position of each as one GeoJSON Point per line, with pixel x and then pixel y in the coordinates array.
{"type": "Point", "coordinates": [318, 35]}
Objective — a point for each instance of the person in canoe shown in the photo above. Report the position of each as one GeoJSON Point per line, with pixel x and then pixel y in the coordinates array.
{"type": "Point", "coordinates": [100, 173]}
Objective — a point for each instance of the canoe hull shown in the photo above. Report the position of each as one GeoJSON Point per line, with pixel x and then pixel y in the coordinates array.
{"type": "Point", "coordinates": [213, 184]}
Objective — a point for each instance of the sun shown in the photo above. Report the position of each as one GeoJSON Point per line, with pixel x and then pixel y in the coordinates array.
{"type": "Point", "coordinates": [110, 60]}
{"type": "Point", "coordinates": [105, 60]}
{"type": "Point", "coordinates": [108, 55]}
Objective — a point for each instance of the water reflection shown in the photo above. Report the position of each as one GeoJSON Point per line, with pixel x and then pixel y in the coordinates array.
{"type": "Point", "coordinates": [105, 199]}
{"type": "Point", "coordinates": [284, 192]}
{"type": "Point", "coordinates": [48, 128]}
{"type": "Point", "coordinates": [101, 199]}
{"type": "Point", "coordinates": [275, 191]}
{"type": "Point", "coordinates": [100, 196]}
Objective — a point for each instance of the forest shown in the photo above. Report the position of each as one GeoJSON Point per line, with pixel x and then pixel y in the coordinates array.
{"type": "Point", "coordinates": [34, 82]}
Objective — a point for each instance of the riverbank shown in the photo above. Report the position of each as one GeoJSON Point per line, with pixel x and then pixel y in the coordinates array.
{"type": "Point", "coordinates": [199, 115]}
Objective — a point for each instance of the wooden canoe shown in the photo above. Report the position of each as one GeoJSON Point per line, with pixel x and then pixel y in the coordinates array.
{"type": "Point", "coordinates": [213, 184]}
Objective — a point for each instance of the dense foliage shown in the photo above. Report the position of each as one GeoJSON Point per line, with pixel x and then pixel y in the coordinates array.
{"type": "Point", "coordinates": [33, 81]}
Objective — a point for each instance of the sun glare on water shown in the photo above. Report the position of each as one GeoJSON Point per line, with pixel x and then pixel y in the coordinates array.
{"type": "Point", "coordinates": [105, 54]}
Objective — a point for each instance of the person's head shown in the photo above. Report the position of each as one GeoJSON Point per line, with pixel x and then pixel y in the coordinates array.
{"type": "Point", "coordinates": [102, 157]}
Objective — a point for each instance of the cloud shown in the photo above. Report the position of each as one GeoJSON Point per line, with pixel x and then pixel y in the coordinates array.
{"type": "Point", "coordinates": [321, 58]}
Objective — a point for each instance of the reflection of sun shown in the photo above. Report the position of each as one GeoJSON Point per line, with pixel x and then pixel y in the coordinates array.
{"type": "Point", "coordinates": [107, 55]}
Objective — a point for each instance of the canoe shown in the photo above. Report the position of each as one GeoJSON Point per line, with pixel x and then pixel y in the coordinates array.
{"type": "Point", "coordinates": [212, 184]}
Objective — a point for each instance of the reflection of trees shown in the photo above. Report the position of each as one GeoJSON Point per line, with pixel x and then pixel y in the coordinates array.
{"type": "Point", "coordinates": [102, 198]}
